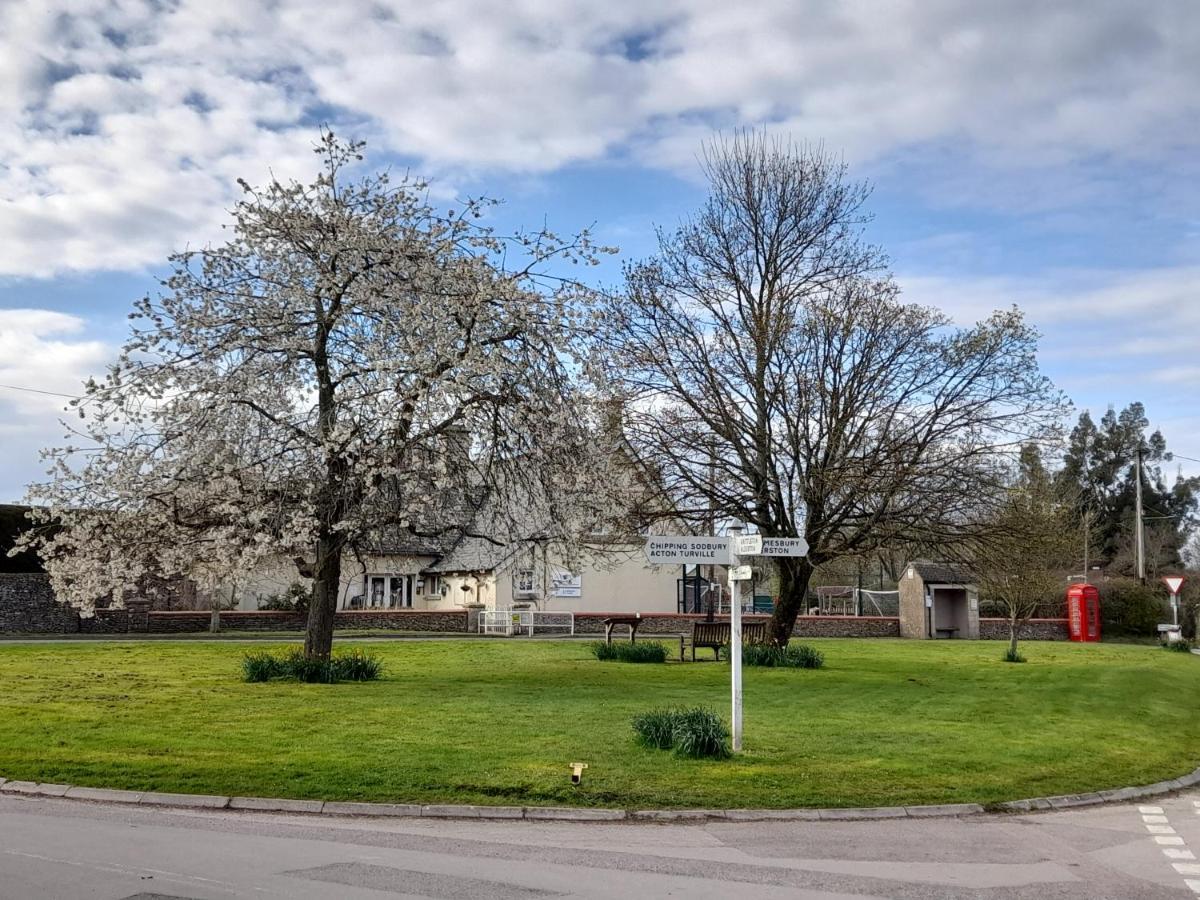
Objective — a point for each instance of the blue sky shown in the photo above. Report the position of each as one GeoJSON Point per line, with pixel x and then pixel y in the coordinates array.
{"type": "Point", "coordinates": [1042, 154]}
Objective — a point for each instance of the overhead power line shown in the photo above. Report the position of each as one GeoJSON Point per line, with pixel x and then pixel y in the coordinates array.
{"type": "Point", "coordinates": [29, 390]}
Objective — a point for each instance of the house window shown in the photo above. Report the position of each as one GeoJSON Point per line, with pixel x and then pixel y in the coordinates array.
{"type": "Point", "coordinates": [523, 583]}
{"type": "Point", "coordinates": [433, 584]}
{"type": "Point", "coordinates": [389, 591]}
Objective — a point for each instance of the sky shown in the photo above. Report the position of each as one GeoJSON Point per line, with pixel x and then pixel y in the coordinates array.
{"type": "Point", "coordinates": [1029, 152]}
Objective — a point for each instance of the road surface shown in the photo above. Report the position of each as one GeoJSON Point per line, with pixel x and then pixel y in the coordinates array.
{"type": "Point", "coordinates": [62, 849]}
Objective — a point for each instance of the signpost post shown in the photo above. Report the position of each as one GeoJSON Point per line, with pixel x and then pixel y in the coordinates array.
{"type": "Point", "coordinates": [735, 637]}
{"type": "Point", "coordinates": [1174, 583]}
{"type": "Point", "coordinates": [690, 550]}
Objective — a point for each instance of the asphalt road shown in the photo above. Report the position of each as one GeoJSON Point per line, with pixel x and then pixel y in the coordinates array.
{"type": "Point", "coordinates": [63, 849]}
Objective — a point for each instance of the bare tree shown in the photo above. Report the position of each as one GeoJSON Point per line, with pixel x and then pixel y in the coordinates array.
{"type": "Point", "coordinates": [1032, 543]}
{"type": "Point", "coordinates": [773, 375]}
{"type": "Point", "coordinates": [350, 364]}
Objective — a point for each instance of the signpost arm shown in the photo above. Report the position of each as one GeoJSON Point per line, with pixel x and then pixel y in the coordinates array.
{"type": "Point", "coordinates": [735, 643]}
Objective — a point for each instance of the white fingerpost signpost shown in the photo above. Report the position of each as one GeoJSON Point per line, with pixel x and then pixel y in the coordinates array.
{"type": "Point", "coordinates": [714, 551]}
{"type": "Point", "coordinates": [1174, 583]}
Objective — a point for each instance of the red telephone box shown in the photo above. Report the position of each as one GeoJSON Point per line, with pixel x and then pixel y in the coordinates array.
{"type": "Point", "coordinates": [1083, 612]}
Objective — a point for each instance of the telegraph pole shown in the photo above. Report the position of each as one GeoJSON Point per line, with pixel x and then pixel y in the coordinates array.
{"type": "Point", "coordinates": [1087, 535]}
{"type": "Point", "coordinates": [1139, 531]}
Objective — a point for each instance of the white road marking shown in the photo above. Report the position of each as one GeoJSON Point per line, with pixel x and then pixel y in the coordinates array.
{"type": "Point", "coordinates": [1160, 829]}
{"type": "Point", "coordinates": [1168, 841]}
{"type": "Point", "coordinates": [1187, 868]}
{"type": "Point", "coordinates": [1155, 820]}
{"type": "Point", "coordinates": [1152, 809]}
{"type": "Point", "coordinates": [1178, 854]}
{"type": "Point", "coordinates": [1193, 883]}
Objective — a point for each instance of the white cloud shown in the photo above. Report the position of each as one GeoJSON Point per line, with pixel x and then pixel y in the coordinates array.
{"type": "Point", "coordinates": [132, 118]}
{"type": "Point", "coordinates": [46, 353]}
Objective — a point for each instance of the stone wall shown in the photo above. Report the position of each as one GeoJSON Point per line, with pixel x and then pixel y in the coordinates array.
{"type": "Point", "coordinates": [1033, 630]}
{"type": "Point", "coordinates": [27, 605]}
{"type": "Point", "coordinates": [434, 621]}
{"type": "Point", "coordinates": [806, 626]}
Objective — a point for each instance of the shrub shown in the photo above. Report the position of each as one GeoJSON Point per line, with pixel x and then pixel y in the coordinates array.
{"type": "Point", "coordinates": [261, 666]}
{"type": "Point", "coordinates": [295, 599]}
{"type": "Point", "coordinates": [793, 656]}
{"type": "Point", "coordinates": [603, 651]}
{"type": "Point", "coordinates": [1013, 656]}
{"type": "Point", "coordinates": [700, 733]}
{"type": "Point", "coordinates": [655, 728]}
{"type": "Point", "coordinates": [652, 652]}
{"type": "Point", "coordinates": [1128, 607]}
{"type": "Point", "coordinates": [1178, 646]}
{"type": "Point", "coordinates": [356, 665]}
{"type": "Point", "coordinates": [697, 733]}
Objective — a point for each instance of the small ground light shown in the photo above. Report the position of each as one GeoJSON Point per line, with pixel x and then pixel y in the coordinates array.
{"type": "Point", "coordinates": [577, 772]}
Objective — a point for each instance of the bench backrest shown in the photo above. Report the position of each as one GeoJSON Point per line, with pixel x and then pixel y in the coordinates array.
{"type": "Point", "coordinates": [710, 633]}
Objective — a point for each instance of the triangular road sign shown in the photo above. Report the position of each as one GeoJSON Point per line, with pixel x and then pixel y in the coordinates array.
{"type": "Point", "coordinates": [1173, 583]}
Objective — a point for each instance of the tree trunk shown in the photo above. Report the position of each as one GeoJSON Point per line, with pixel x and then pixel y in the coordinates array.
{"type": "Point", "coordinates": [214, 617]}
{"type": "Point", "coordinates": [327, 577]}
{"type": "Point", "coordinates": [1012, 636]}
{"type": "Point", "coordinates": [794, 574]}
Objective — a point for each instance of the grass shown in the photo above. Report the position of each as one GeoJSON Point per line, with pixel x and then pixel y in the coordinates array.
{"type": "Point", "coordinates": [883, 723]}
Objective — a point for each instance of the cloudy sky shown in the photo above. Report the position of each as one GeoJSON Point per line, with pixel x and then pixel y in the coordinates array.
{"type": "Point", "coordinates": [1043, 153]}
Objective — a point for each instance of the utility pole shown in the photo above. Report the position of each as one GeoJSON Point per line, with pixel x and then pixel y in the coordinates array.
{"type": "Point", "coordinates": [1087, 535]}
{"type": "Point", "coordinates": [1139, 531]}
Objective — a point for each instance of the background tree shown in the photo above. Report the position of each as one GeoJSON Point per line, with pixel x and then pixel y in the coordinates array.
{"type": "Point", "coordinates": [349, 365]}
{"type": "Point", "coordinates": [773, 374]}
{"type": "Point", "coordinates": [1099, 469]}
{"type": "Point", "coordinates": [1023, 561]}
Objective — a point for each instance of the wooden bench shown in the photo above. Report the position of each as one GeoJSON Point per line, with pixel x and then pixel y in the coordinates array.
{"type": "Point", "coordinates": [946, 633]}
{"type": "Point", "coordinates": [715, 635]}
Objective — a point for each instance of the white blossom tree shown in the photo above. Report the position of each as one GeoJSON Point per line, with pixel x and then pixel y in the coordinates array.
{"type": "Point", "coordinates": [350, 363]}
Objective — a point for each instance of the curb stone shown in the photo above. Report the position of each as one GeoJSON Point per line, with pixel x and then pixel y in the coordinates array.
{"type": "Point", "coordinates": [569, 814]}
{"type": "Point", "coordinates": [871, 812]}
{"type": "Point", "coordinates": [51, 790]}
{"type": "Point", "coordinates": [351, 808]}
{"type": "Point", "coordinates": [948, 810]}
{"type": "Point", "coordinates": [19, 787]}
{"type": "Point", "coordinates": [1068, 801]}
{"type": "Point", "coordinates": [772, 815]}
{"type": "Point", "coordinates": [103, 795]}
{"type": "Point", "coordinates": [267, 804]}
{"type": "Point", "coordinates": [189, 801]}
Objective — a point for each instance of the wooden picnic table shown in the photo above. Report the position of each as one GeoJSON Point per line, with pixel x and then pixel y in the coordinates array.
{"type": "Point", "coordinates": [612, 621]}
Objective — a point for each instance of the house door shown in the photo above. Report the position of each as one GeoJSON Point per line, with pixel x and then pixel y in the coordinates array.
{"type": "Point", "coordinates": [389, 591]}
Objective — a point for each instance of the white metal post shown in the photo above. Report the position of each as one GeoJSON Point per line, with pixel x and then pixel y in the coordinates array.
{"type": "Point", "coordinates": [735, 642]}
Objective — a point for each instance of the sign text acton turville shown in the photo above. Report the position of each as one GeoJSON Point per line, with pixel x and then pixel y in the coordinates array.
{"type": "Point", "coordinates": [706, 551]}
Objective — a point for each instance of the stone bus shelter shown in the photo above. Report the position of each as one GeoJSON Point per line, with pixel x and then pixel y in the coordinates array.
{"type": "Point", "coordinates": [938, 600]}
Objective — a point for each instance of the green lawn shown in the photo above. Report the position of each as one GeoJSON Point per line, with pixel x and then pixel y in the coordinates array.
{"type": "Point", "coordinates": [885, 722]}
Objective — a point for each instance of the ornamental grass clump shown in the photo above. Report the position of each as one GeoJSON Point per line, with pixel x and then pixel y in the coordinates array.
{"type": "Point", "coordinates": [356, 665]}
{"type": "Point", "coordinates": [652, 652]}
{"type": "Point", "coordinates": [697, 733]}
{"type": "Point", "coordinates": [1011, 655]}
{"type": "Point", "coordinates": [793, 656]}
{"type": "Point", "coordinates": [261, 666]}
{"type": "Point", "coordinates": [1180, 646]}
{"type": "Point", "coordinates": [655, 729]}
